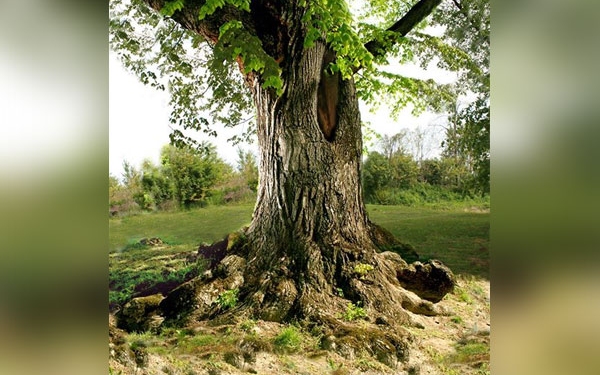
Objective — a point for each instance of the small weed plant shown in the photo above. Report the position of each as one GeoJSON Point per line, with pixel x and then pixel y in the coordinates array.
{"type": "Point", "coordinates": [289, 340]}
{"type": "Point", "coordinates": [228, 299]}
{"type": "Point", "coordinates": [354, 312]}
{"type": "Point", "coordinates": [362, 269]}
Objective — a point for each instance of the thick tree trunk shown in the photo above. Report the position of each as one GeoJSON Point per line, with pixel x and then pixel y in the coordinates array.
{"type": "Point", "coordinates": [310, 218]}
{"type": "Point", "coordinates": [310, 242]}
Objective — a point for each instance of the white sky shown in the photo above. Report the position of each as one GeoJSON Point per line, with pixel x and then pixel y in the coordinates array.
{"type": "Point", "coordinates": [139, 119]}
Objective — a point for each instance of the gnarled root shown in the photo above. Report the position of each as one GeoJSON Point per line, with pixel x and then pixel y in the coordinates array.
{"type": "Point", "coordinates": [362, 309]}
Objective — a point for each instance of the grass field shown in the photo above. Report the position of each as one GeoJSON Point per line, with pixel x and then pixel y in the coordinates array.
{"type": "Point", "coordinates": [457, 236]}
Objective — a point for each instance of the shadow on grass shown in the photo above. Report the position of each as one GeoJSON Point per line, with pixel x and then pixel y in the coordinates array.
{"type": "Point", "coordinates": [460, 239]}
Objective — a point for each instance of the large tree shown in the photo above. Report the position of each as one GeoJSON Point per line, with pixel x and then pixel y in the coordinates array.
{"type": "Point", "coordinates": [302, 66]}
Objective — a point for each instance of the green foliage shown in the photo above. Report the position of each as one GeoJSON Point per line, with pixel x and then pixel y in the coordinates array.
{"type": "Point", "coordinates": [354, 312]}
{"type": "Point", "coordinates": [237, 186]}
{"type": "Point", "coordinates": [362, 269]}
{"type": "Point", "coordinates": [395, 177]}
{"type": "Point", "coordinates": [165, 55]}
{"type": "Point", "coordinates": [248, 325]}
{"type": "Point", "coordinates": [210, 6]}
{"type": "Point", "coordinates": [228, 299]}
{"type": "Point", "coordinates": [123, 196]}
{"type": "Point", "coordinates": [248, 168]}
{"type": "Point", "coordinates": [466, 39]}
{"type": "Point", "coordinates": [399, 171]}
{"type": "Point", "coordinates": [235, 41]}
{"type": "Point", "coordinates": [193, 173]}
{"type": "Point", "coordinates": [333, 19]}
{"type": "Point", "coordinates": [468, 141]}
{"type": "Point", "coordinates": [420, 194]}
{"type": "Point", "coordinates": [186, 176]}
{"type": "Point", "coordinates": [171, 7]}
{"type": "Point", "coordinates": [289, 340]}
{"type": "Point", "coordinates": [377, 174]}
{"type": "Point", "coordinates": [154, 187]}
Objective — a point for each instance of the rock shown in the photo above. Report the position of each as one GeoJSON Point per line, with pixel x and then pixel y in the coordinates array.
{"type": "Point", "coordinates": [213, 253]}
{"type": "Point", "coordinates": [328, 342]}
{"type": "Point", "coordinates": [154, 241]}
{"type": "Point", "coordinates": [140, 314]}
{"type": "Point", "coordinates": [178, 304]}
{"type": "Point", "coordinates": [236, 359]}
{"type": "Point", "coordinates": [431, 280]}
{"type": "Point", "coordinates": [385, 353]}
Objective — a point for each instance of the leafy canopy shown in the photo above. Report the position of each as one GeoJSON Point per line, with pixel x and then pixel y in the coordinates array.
{"type": "Point", "coordinates": [205, 75]}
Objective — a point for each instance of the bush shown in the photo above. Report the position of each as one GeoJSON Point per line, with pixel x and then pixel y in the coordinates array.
{"type": "Point", "coordinates": [193, 173]}
{"type": "Point", "coordinates": [235, 190]}
{"type": "Point", "coordinates": [423, 194]}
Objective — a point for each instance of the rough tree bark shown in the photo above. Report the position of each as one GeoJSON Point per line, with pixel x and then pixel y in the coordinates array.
{"type": "Point", "coordinates": [310, 247]}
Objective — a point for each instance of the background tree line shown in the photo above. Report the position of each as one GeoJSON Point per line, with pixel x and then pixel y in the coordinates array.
{"type": "Point", "coordinates": [185, 178]}
{"type": "Point", "coordinates": [401, 172]}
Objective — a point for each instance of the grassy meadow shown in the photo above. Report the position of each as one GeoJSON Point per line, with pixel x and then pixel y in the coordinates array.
{"type": "Point", "coordinates": [458, 236]}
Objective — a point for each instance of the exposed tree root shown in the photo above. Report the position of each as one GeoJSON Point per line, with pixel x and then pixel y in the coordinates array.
{"type": "Point", "coordinates": [363, 309]}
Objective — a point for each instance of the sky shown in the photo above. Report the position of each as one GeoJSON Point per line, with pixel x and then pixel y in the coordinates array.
{"type": "Point", "coordinates": [139, 119]}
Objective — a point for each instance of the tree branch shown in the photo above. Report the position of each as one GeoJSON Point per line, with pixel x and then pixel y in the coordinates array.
{"type": "Point", "coordinates": [411, 19]}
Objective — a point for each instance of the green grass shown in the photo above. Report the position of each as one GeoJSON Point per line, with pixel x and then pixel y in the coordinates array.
{"type": "Point", "coordinates": [184, 227]}
{"type": "Point", "coordinates": [457, 237]}
{"type": "Point", "coordinates": [289, 340]}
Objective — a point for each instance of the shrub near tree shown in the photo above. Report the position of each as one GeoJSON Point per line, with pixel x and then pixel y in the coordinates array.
{"type": "Point", "coordinates": [157, 187]}
{"type": "Point", "coordinates": [193, 172]}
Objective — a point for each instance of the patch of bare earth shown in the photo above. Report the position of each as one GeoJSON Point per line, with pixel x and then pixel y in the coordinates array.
{"type": "Point", "coordinates": [456, 343]}
{"type": "Point", "coordinates": [453, 344]}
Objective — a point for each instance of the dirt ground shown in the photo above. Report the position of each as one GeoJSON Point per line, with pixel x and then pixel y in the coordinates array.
{"type": "Point", "coordinates": [452, 344]}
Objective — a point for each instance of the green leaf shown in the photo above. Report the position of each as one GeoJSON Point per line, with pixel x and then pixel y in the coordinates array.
{"type": "Point", "coordinates": [211, 6]}
{"type": "Point", "coordinates": [171, 7]}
